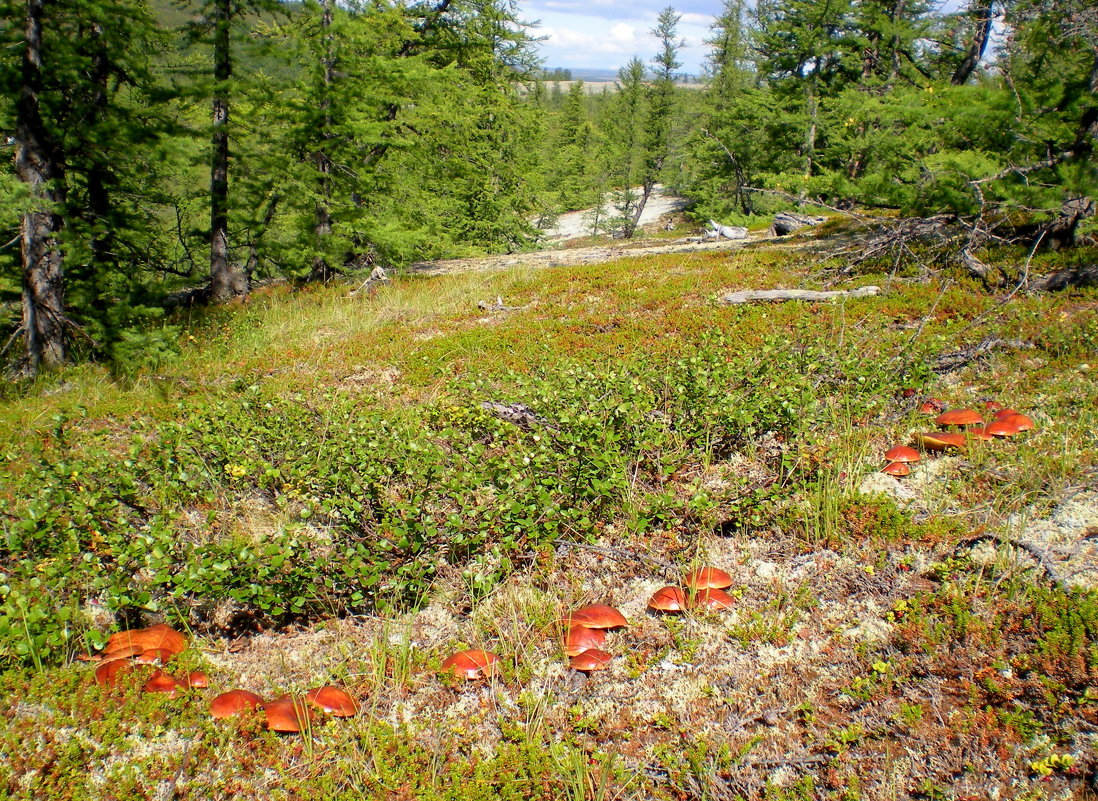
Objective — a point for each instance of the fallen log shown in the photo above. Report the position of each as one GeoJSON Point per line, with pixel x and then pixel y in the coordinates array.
{"type": "Point", "coordinates": [749, 295]}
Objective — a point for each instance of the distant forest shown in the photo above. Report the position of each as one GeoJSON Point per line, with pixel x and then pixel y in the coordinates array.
{"type": "Point", "coordinates": [158, 147]}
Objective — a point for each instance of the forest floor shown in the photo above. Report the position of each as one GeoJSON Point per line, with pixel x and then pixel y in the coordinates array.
{"type": "Point", "coordinates": [314, 490]}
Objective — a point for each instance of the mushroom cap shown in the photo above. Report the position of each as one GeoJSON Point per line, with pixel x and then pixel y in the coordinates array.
{"type": "Point", "coordinates": [157, 636]}
{"type": "Point", "coordinates": [287, 714]}
{"type": "Point", "coordinates": [707, 577]}
{"type": "Point", "coordinates": [197, 680]}
{"type": "Point", "coordinates": [1020, 421]}
{"type": "Point", "coordinates": [233, 703]}
{"type": "Point", "coordinates": [580, 638]}
{"type": "Point", "coordinates": [119, 653]}
{"type": "Point", "coordinates": [980, 433]}
{"type": "Point", "coordinates": [909, 392]}
{"type": "Point", "coordinates": [932, 406]}
{"type": "Point", "coordinates": [902, 453]}
{"type": "Point", "coordinates": [153, 656]}
{"type": "Point", "coordinates": [597, 616]}
{"type": "Point", "coordinates": [110, 673]}
{"type": "Point", "coordinates": [591, 659]}
{"type": "Point", "coordinates": [669, 599]}
{"type": "Point", "coordinates": [713, 598]}
{"type": "Point", "coordinates": [992, 406]}
{"type": "Point", "coordinates": [333, 700]}
{"type": "Point", "coordinates": [1001, 413]}
{"type": "Point", "coordinates": [471, 664]}
{"type": "Point", "coordinates": [161, 682]}
{"type": "Point", "coordinates": [898, 469]}
{"type": "Point", "coordinates": [940, 440]}
{"type": "Point", "coordinates": [960, 417]}
{"type": "Point", "coordinates": [1002, 428]}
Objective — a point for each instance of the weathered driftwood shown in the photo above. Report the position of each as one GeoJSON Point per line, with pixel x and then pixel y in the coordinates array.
{"type": "Point", "coordinates": [716, 231]}
{"type": "Point", "coordinates": [516, 414]}
{"type": "Point", "coordinates": [749, 295]}
{"type": "Point", "coordinates": [955, 360]}
{"type": "Point", "coordinates": [498, 306]}
{"type": "Point", "coordinates": [787, 222]}
{"type": "Point", "coordinates": [1066, 279]}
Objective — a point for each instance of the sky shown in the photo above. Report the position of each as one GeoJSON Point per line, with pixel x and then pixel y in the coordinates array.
{"type": "Point", "coordinates": [605, 34]}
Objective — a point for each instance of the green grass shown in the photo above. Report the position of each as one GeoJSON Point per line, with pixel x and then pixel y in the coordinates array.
{"type": "Point", "coordinates": [315, 456]}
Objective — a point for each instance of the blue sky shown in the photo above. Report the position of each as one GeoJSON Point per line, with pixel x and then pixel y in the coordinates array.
{"type": "Point", "coordinates": [607, 33]}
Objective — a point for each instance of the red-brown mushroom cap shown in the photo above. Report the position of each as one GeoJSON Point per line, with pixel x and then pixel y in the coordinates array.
{"type": "Point", "coordinates": [591, 659]}
{"type": "Point", "coordinates": [707, 577]}
{"type": "Point", "coordinates": [960, 417]}
{"type": "Point", "coordinates": [333, 700]}
{"type": "Point", "coordinates": [980, 433]}
{"type": "Point", "coordinates": [1002, 413]}
{"type": "Point", "coordinates": [713, 598]}
{"type": "Point", "coordinates": [993, 406]}
{"type": "Point", "coordinates": [471, 664]}
{"type": "Point", "coordinates": [197, 680]}
{"type": "Point", "coordinates": [902, 453]}
{"type": "Point", "coordinates": [580, 638]}
{"type": "Point", "coordinates": [110, 673]}
{"type": "Point", "coordinates": [669, 599]}
{"type": "Point", "coordinates": [157, 636]}
{"type": "Point", "coordinates": [597, 616]}
{"type": "Point", "coordinates": [898, 469]}
{"type": "Point", "coordinates": [932, 406]}
{"type": "Point", "coordinates": [940, 440]}
{"type": "Point", "coordinates": [287, 714]}
{"type": "Point", "coordinates": [1002, 428]}
{"type": "Point", "coordinates": [1020, 421]}
{"type": "Point", "coordinates": [909, 392]}
{"type": "Point", "coordinates": [233, 703]}
{"type": "Point", "coordinates": [154, 656]}
{"type": "Point", "coordinates": [161, 682]}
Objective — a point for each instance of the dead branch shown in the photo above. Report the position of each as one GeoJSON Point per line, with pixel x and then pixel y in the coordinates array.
{"type": "Point", "coordinates": [621, 555]}
{"type": "Point", "coordinates": [749, 295]}
{"type": "Point", "coordinates": [1038, 554]}
{"type": "Point", "coordinates": [955, 360]}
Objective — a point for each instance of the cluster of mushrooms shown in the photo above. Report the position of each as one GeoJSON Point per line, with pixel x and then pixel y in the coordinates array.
{"type": "Point", "coordinates": [1004, 423]}
{"type": "Point", "coordinates": [584, 630]}
{"type": "Point", "coordinates": [126, 651]}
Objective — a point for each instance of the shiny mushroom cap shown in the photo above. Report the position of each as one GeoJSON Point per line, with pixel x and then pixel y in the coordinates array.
{"type": "Point", "coordinates": [597, 616]}
{"type": "Point", "coordinates": [960, 417]}
{"type": "Point", "coordinates": [669, 599]}
{"type": "Point", "coordinates": [161, 682]}
{"type": "Point", "coordinates": [287, 714]}
{"type": "Point", "coordinates": [1001, 428]}
{"type": "Point", "coordinates": [197, 680]}
{"type": "Point", "coordinates": [109, 674]}
{"type": "Point", "coordinates": [940, 440]}
{"type": "Point", "coordinates": [713, 598]}
{"type": "Point", "coordinates": [233, 703]}
{"type": "Point", "coordinates": [902, 453]}
{"type": "Point", "coordinates": [932, 406]}
{"type": "Point", "coordinates": [580, 638]}
{"type": "Point", "coordinates": [471, 664]}
{"type": "Point", "coordinates": [707, 577]}
{"type": "Point", "coordinates": [158, 636]}
{"type": "Point", "coordinates": [333, 700]}
{"type": "Point", "coordinates": [980, 433]}
{"type": "Point", "coordinates": [591, 659]}
{"type": "Point", "coordinates": [154, 656]}
{"type": "Point", "coordinates": [1020, 421]}
{"type": "Point", "coordinates": [1003, 413]}
{"type": "Point", "coordinates": [898, 469]}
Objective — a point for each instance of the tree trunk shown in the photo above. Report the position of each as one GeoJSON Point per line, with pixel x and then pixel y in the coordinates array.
{"type": "Point", "coordinates": [322, 225]}
{"type": "Point", "coordinates": [983, 11]}
{"type": "Point", "coordinates": [40, 165]}
{"type": "Point", "coordinates": [226, 280]}
{"type": "Point", "coordinates": [634, 221]}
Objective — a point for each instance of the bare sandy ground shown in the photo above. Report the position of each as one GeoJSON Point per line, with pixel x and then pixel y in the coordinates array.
{"type": "Point", "coordinates": [576, 224]}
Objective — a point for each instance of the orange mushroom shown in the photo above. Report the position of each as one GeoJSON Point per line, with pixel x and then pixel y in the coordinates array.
{"type": "Point", "coordinates": [161, 682]}
{"type": "Point", "coordinates": [940, 440]}
{"type": "Point", "coordinates": [579, 638]}
{"type": "Point", "coordinates": [669, 599]}
{"type": "Point", "coordinates": [333, 700]}
{"type": "Point", "coordinates": [1003, 413]}
{"type": "Point", "coordinates": [980, 433]}
{"type": "Point", "coordinates": [157, 636]}
{"type": "Point", "coordinates": [110, 673]}
{"type": "Point", "coordinates": [1001, 428]}
{"type": "Point", "coordinates": [898, 469]}
{"type": "Point", "coordinates": [707, 577]}
{"type": "Point", "coordinates": [932, 406]}
{"type": "Point", "coordinates": [471, 664]}
{"type": "Point", "coordinates": [960, 417]}
{"type": "Point", "coordinates": [597, 616]}
{"type": "Point", "coordinates": [233, 703]}
{"type": "Point", "coordinates": [591, 659]}
{"type": "Point", "coordinates": [1020, 421]}
{"type": "Point", "coordinates": [902, 453]}
{"type": "Point", "coordinates": [153, 656]}
{"type": "Point", "coordinates": [287, 714]}
{"type": "Point", "coordinates": [197, 680]}
{"type": "Point", "coordinates": [713, 598]}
